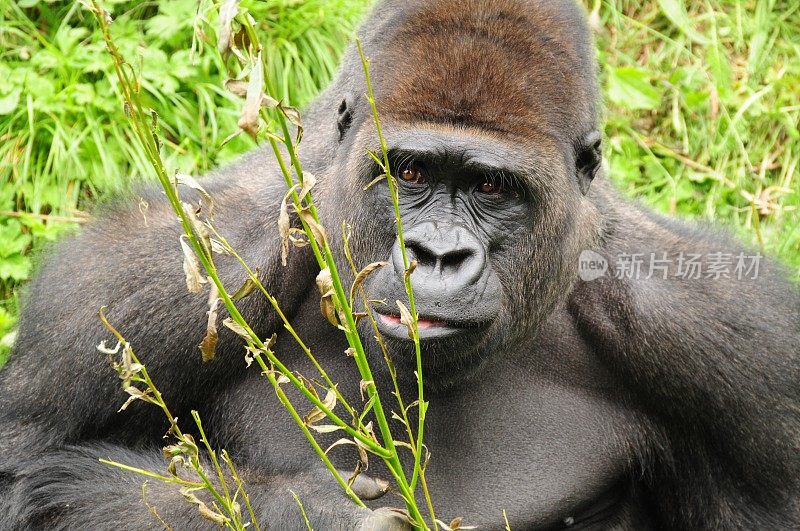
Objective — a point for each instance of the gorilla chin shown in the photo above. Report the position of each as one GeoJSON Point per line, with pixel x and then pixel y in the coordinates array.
{"type": "Point", "coordinates": [451, 351]}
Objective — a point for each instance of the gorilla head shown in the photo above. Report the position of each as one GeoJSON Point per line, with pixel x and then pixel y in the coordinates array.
{"type": "Point", "coordinates": [494, 143]}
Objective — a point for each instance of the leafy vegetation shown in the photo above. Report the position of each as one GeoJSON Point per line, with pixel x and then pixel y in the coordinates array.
{"type": "Point", "coordinates": [702, 108]}
{"type": "Point", "coordinates": [702, 112]}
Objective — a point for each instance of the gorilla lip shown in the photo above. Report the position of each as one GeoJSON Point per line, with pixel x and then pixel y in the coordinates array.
{"type": "Point", "coordinates": [390, 325]}
{"type": "Point", "coordinates": [422, 324]}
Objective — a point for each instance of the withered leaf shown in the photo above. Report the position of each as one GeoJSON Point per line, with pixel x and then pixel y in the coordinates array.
{"type": "Point", "coordinates": [219, 248]}
{"type": "Point", "coordinates": [250, 355]}
{"type": "Point", "coordinates": [200, 230]}
{"type": "Point", "coordinates": [268, 102]}
{"type": "Point", "coordinates": [284, 225]}
{"type": "Point", "coordinates": [248, 120]}
{"type": "Point", "coordinates": [396, 416]}
{"type": "Point", "coordinates": [208, 346]}
{"type": "Point", "coordinates": [294, 117]}
{"type": "Point", "coordinates": [404, 444]}
{"type": "Point", "coordinates": [245, 289]}
{"type": "Point", "coordinates": [191, 182]}
{"type": "Point", "coordinates": [362, 454]}
{"type": "Point", "coordinates": [314, 416]}
{"type": "Point", "coordinates": [135, 394]}
{"type": "Point", "coordinates": [362, 276]}
{"type": "Point", "coordinates": [203, 509]}
{"type": "Point", "coordinates": [325, 428]}
{"type": "Point", "coordinates": [236, 327]}
{"type": "Point", "coordinates": [370, 431]}
{"type": "Point", "coordinates": [364, 387]}
{"type": "Point", "coordinates": [330, 399]}
{"type": "Point", "coordinates": [326, 305]}
{"type": "Point", "coordinates": [454, 525]}
{"type": "Point", "coordinates": [340, 442]}
{"type": "Point", "coordinates": [239, 88]}
{"type": "Point", "coordinates": [406, 319]}
{"type": "Point", "coordinates": [317, 230]}
{"type": "Point", "coordinates": [271, 342]}
{"type": "Point", "coordinates": [227, 12]}
{"type": "Point", "coordinates": [309, 180]}
{"type": "Point", "coordinates": [280, 378]}
{"type": "Point", "coordinates": [411, 267]}
{"type": "Point", "coordinates": [102, 347]}
{"type": "Point", "coordinates": [191, 268]}
{"type": "Point", "coordinates": [309, 385]}
{"type": "Point", "coordinates": [126, 368]}
{"type": "Point", "coordinates": [297, 237]}
{"type": "Point", "coordinates": [292, 114]}
{"type": "Point", "coordinates": [176, 461]}
{"type": "Point", "coordinates": [358, 470]}
{"type": "Point", "coordinates": [317, 414]}
{"type": "Point", "coordinates": [171, 450]}
{"type": "Point", "coordinates": [213, 516]}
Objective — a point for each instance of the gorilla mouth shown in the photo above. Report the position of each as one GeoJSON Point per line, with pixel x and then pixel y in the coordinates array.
{"type": "Point", "coordinates": [429, 327]}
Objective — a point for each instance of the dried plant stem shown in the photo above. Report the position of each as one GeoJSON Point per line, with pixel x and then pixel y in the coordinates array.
{"type": "Point", "coordinates": [147, 138]}
{"type": "Point", "coordinates": [286, 324]}
{"type": "Point", "coordinates": [224, 500]}
{"type": "Point", "coordinates": [314, 444]}
{"type": "Point", "coordinates": [240, 488]}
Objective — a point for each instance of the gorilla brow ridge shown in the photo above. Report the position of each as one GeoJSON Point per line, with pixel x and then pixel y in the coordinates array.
{"type": "Point", "coordinates": [508, 179]}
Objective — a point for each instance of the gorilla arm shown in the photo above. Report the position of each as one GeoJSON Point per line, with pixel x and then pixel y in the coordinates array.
{"type": "Point", "coordinates": [57, 388]}
{"type": "Point", "coordinates": [715, 365]}
{"type": "Point", "coordinates": [69, 489]}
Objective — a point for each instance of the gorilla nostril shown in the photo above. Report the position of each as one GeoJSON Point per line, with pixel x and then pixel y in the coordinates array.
{"type": "Point", "coordinates": [422, 255]}
{"type": "Point", "coordinates": [455, 259]}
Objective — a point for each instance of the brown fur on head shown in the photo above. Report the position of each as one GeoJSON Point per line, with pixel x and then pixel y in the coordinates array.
{"type": "Point", "coordinates": [505, 65]}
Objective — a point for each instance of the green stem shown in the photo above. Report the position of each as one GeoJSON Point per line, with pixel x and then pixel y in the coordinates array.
{"type": "Point", "coordinates": [406, 277]}
{"type": "Point", "coordinates": [314, 444]}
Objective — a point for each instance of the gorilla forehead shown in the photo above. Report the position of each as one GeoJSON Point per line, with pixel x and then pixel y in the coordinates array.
{"type": "Point", "coordinates": [501, 65]}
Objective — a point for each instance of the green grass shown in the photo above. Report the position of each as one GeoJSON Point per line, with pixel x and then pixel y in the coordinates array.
{"type": "Point", "coordinates": [702, 108]}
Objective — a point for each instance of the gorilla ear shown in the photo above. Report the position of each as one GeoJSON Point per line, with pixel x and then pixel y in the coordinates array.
{"type": "Point", "coordinates": [588, 157]}
{"type": "Point", "coordinates": [345, 115]}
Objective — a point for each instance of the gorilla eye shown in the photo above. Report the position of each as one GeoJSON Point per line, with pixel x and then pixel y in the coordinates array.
{"type": "Point", "coordinates": [412, 174]}
{"type": "Point", "coordinates": [490, 187]}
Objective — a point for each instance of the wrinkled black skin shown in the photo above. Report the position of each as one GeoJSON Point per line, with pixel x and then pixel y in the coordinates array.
{"type": "Point", "coordinates": [616, 403]}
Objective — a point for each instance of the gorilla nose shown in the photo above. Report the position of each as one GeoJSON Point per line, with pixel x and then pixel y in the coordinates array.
{"type": "Point", "coordinates": [448, 257]}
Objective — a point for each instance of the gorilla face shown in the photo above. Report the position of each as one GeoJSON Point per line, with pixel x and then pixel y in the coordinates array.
{"type": "Point", "coordinates": [476, 210]}
{"type": "Point", "coordinates": [493, 161]}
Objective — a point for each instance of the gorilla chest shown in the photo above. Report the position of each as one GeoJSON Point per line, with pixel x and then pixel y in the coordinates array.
{"type": "Point", "coordinates": [537, 432]}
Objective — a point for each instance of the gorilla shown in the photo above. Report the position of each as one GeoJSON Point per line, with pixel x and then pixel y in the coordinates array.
{"type": "Point", "coordinates": [589, 363]}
